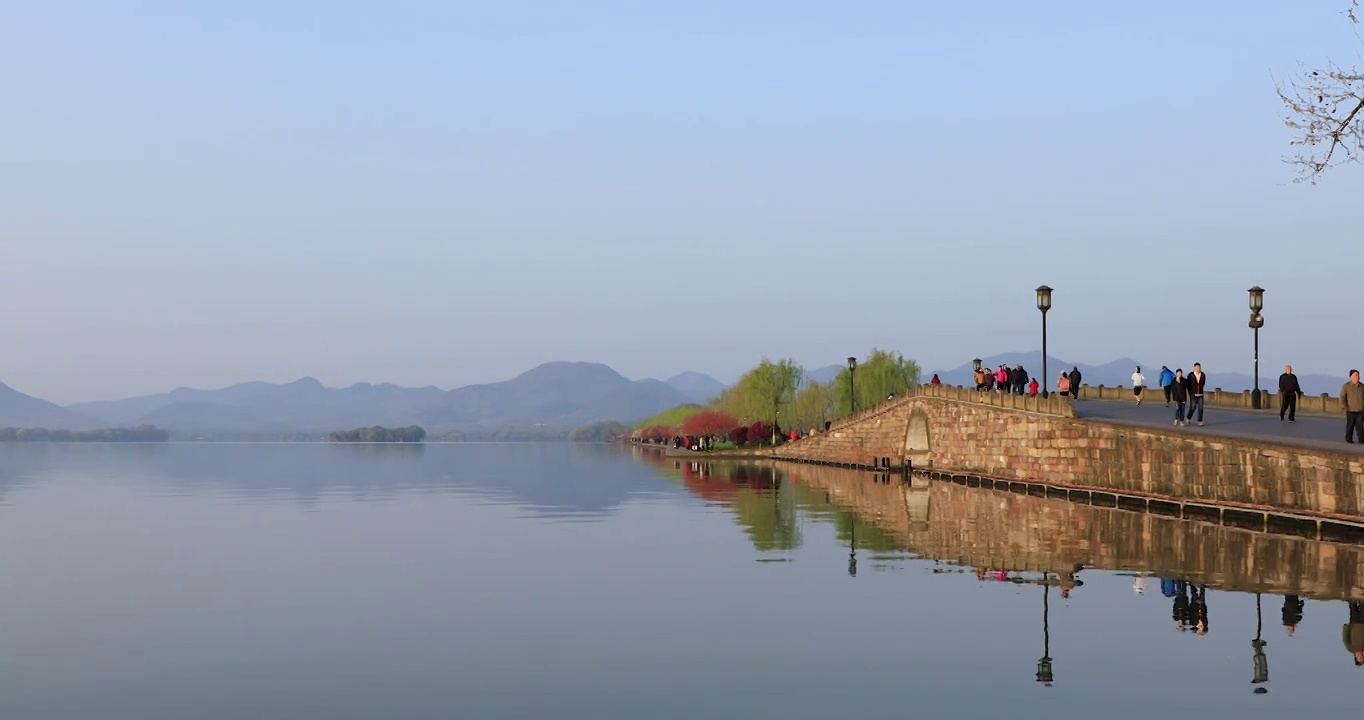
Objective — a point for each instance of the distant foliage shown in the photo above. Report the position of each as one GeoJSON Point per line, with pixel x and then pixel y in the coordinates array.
{"type": "Point", "coordinates": [597, 432]}
{"type": "Point", "coordinates": [738, 435]}
{"type": "Point", "coordinates": [882, 374]}
{"type": "Point", "coordinates": [708, 423]}
{"type": "Point", "coordinates": [376, 434]}
{"type": "Point", "coordinates": [671, 418]}
{"type": "Point", "coordinates": [759, 432]}
{"type": "Point", "coordinates": [141, 433]}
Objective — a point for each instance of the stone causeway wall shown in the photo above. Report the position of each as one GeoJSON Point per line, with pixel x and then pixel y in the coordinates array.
{"type": "Point", "coordinates": [1040, 440]}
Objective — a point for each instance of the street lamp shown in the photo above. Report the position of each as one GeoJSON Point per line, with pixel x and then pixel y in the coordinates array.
{"type": "Point", "coordinates": [1044, 304]}
{"type": "Point", "coordinates": [1257, 321]}
{"type": "Point", "coordinates": [852, 545]}
{"type": "Point", "coordinates": [1044, 673]}
{"type": "Point", "coordinates": [852, 389]}
{"type": "Point", "coordinates": [1261, 663]}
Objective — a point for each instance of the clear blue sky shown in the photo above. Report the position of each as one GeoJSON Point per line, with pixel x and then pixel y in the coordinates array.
{"type": "Point", "coordinates": [445, 193]}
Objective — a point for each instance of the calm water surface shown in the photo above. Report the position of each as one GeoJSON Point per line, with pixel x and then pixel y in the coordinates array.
{"type": "Point", "coordinates": [521, 581]}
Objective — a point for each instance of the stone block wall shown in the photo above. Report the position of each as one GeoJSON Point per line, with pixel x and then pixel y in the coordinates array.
{"type": "Point", "coordinates": [1040, 440]}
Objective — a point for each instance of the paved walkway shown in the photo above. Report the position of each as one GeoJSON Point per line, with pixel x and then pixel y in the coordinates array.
{"type": "Point", "coordinates": [1320, 433]}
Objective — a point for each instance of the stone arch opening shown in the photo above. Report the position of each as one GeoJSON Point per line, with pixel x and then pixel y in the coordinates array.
{"type": "Point", "coordinates": [918, 441]}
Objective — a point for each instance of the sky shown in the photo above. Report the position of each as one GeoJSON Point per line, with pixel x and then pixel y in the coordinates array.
{"type": "Point", "coordinates": [423, 192]}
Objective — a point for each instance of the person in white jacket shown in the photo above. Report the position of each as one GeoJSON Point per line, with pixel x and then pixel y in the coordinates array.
{"type": "Point", "coordinates": [1138, 382]}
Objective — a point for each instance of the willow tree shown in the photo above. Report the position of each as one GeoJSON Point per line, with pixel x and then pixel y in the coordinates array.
{"type": "Point", "coordinates": [881, 375]}
{"type": "Point", "coordinates": [814, 403]}
{"type": "Point", "coordinates": [762, 391]}
{"type": "Point", "coordinates": [1326, 114]}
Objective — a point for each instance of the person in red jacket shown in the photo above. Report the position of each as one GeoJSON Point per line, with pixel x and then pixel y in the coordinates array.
{"type": "Point", "coordinates": [1032, 387]}
{"type": "Point", "coordinates": [935, 380]}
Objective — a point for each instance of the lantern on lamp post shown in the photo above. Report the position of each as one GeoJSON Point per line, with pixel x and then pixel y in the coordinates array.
{"type": "Point", "coordinates": [852, 387]}
{"type": "Point", "coordinates": [1043, 305]}
{"type": "Point", "coordinates": [1257, 321]}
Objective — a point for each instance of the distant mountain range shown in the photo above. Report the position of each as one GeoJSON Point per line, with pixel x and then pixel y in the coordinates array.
{"type": "Point", "coordinates": [557, 395]}
{"type": "Point", "coordinates": [1119, 372]}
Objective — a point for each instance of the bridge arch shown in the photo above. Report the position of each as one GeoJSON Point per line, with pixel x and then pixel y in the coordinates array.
{"type": "Point", "coordinates": [918, 439]}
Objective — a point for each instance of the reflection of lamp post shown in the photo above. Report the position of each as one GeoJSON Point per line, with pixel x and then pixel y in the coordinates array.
{"type": "Point", "coordinates": [852, 552]}
{"type": "Point", "coordinates": [1261, 662]}
{"type": "Point", "coordinates": [1257, 321]}
{"type": "Point", "coordinates": [852, 389]}
{"type": "Point", "coordinates": [1044, 674]}
{"type": "Point", "coordinates": [1044, 304]}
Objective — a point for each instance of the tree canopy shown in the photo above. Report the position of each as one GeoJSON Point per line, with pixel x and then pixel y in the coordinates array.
{"type": "Point", "coordinates": [374, 433]}
{"type": "Point", "coordinates": [1326, 114]}
{"type": "Point", "coordinates": [882, 374]}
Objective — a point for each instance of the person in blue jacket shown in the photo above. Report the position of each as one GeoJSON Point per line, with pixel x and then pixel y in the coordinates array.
{"type": "Point", "coordinates": [1166, 378]}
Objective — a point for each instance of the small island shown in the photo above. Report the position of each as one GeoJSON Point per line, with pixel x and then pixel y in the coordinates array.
{"type": "Point", "coordinates": [376, 434]}
{"type": "Point", "coordinates": [139, 434]}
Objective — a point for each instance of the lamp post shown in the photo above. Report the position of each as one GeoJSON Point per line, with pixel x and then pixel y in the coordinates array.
{"type": "Point", "coordinates": [852, 545]}
{"type": "Point", "coordinates": [1044, 674]}
{"type": "Point", "coordinates": [1044, 304]}
{"type": "Point", "coordinates": [1261, 663]}
{"type": "Point", "coordinates": [1257, 321]}
{"type": "Point", "coordinates": [852, 388]}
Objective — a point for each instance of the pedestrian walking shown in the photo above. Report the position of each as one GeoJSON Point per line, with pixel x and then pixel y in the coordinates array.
{"type": "Point", "coordinates": [1352, 402]}
{"type": "Point", "coordinates": [1179, 393]}
{"type": "Point", "coordinates": [1075, 382]}
{"type": "Point", "coordinates": [1166, 377]}
{"type": "Point", "coordinates": [1138, 384]}
{"type": "Point", "coordinates": [1289, 390]}
{"type": "Point", "coordinates": [1197, 381]}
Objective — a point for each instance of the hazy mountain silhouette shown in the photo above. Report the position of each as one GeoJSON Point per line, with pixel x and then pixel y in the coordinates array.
{"type": "Point", "coordinates": [25, 411]}
{"type": "Point", "coordinates": [824, 374]}
{"type": "Point", "coordinates": [1119, 372]}
{"type": "Point", "coordinates": [696, 387]}
{"type": "Point", "coordinates": [558, 394]}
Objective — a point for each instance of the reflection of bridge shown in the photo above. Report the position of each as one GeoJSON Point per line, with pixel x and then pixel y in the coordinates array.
{"type": "Point", "coordinates": [980, 527]}
{"type": "Point", "coordinates": [985, 528]}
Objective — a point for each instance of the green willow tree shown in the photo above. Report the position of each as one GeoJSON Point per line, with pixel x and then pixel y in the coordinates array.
{"type": "Point", "coordinates": [762, 393]}
{"type": "Point", "coordinates": [882, 374]}
{"type": "Point", "coordinates": [814, 403]}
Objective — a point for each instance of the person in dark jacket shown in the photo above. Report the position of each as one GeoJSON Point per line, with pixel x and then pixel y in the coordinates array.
{"type": "Point", "coordinates": [1075, 382]}
{"type": "Point", "coordinates": [1289, 390]}
{"type": "Point", "coordinates": [1196, 382]}
{"type": "Point", "coordinates": [1352, 402]}
{"type": "Point", "coordinates": [1292, 612]}
{"type": "Point", "coordinates": [1353, 633]}
{"type": "Point", "coordinates": [1178, 390]}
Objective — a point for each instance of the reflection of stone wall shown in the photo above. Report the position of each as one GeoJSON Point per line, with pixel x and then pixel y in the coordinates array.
{"type": "Point", "coordinates": [995, 529]}
{"type": "Point", "coordinates": [1040, 440]}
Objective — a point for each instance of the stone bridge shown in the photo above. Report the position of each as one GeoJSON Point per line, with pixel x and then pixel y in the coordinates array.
{"type": "Point", "coordinates": [1041, 440]}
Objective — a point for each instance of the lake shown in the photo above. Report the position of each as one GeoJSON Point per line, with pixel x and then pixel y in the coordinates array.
{"type": "Point", "coordinates": [604, 581]}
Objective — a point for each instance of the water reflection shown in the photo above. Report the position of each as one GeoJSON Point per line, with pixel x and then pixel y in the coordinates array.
{"type": "Point", "coordinates": [528, 475]}
{"type": "Point", "coordinates": [1022, 539]}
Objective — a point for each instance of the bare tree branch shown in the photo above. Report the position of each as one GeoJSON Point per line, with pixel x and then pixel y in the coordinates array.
{"type": "Point", "coordinates": [1326, 114]}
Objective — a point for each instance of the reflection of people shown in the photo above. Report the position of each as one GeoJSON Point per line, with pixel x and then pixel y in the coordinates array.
{"type": "Point", "coordinates": [1353, 633]}
{"type": "Point", "coordinates": [1180, 612]}
{"type": "Point", "coordinates": [1198, 609]}
{"type": "Point", "coordinates": [1292, 612]}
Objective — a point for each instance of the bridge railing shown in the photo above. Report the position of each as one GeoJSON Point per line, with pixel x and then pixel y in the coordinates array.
{"type": "Point", "coordinates": [1322, 404]}
{"type": "Point", "coordinates": [1052, 405]}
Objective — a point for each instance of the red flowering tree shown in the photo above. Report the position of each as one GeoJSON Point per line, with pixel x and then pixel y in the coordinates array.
{"type": "Point", "coordinates": [708, 423]}
{"type": "Point", "coordinates": [738, 435]}
{"type": "Point", "coordinates": [759, 432]}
